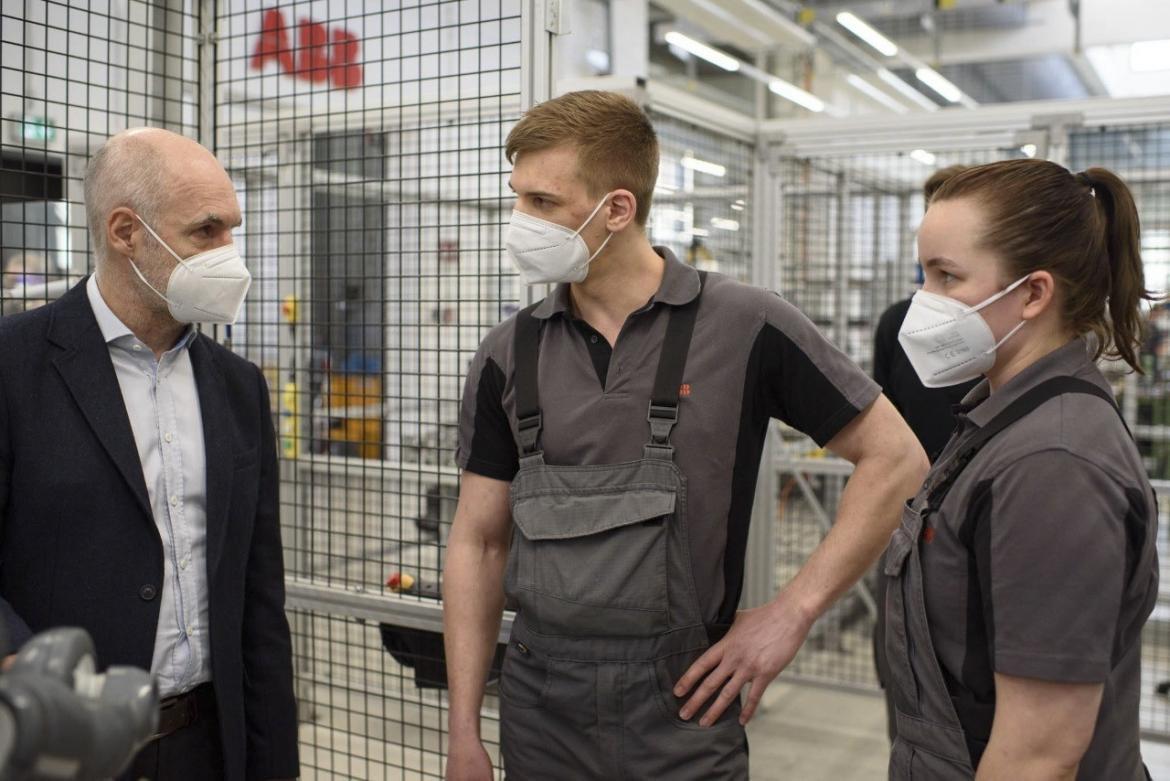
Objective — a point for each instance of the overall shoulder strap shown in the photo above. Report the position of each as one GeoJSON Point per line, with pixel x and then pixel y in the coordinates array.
{"type": "Point", "coordinates": [1025, 404]}
{"type": "Point", "coordinates": [526, 359]}
{"type": "Point", "coordinates": [672, 361]}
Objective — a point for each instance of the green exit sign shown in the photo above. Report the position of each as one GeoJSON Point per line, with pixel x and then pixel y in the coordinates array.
{"type": "Point", "coordinates": [37, 129]}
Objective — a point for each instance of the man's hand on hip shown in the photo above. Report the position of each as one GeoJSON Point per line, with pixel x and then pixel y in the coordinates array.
{"type": "Point", "coordinates": [760, 644]}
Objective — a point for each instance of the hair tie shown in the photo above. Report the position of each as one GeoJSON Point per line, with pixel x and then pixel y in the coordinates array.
{"type": "Point", "coordinates": [1084, 179]}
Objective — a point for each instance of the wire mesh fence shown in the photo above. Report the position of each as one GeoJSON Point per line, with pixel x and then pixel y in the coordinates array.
{"type": "Point", "coordinates": [845, 240]}
{"type": "Point", "coordinates": [365, 141]}
{"type": "Point", "coordinates": [701, 209]}
{"type": "Point", "coordinates": [368, 146]}
{"type": "Point", "coordinates": [1140, 154]}
{"type": "Point", "coordinates": [74, 73]}
{"type": "Point", "coordinates": [845, 243]}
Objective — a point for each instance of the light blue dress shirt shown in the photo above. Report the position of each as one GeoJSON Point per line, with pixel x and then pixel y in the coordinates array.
{"type": "Point", "coordinates": [162, 402]}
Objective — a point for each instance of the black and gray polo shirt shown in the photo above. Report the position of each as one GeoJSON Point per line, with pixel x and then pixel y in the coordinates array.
{"type": "Point", "coordinates": [1041, 561]}
{"type": "Point", "coordinates": [753, 357]}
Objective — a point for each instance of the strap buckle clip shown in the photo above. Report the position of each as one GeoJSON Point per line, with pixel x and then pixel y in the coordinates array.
{"type": "Point", "coordinates": [662, 419]}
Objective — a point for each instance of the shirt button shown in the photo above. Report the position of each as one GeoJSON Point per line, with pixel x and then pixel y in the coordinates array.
{"type": "Point", "coordinates": [174, 501]}
{"type": "Point", "coordinates": [147, 592]}
{"type": "Point", "coordinates": [190, 629]}
{"type": "Point", "coordinates": [183, 564]}
{"type": "Point", "coordinates": [593, 338]}
{"type": "Point", "coordinates": [168, 436]}
{"type": "Point", "coordinates": [137, 348]}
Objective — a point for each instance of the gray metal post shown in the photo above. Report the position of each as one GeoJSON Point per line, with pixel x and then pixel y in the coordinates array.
{"type": "Point", "coordinates": [166, 70]}
{"type": "Point", "coordinates": [760, 561]}
{"type": "Point", "coordinates": [841, 282]}
{"type": "Point", "coordinates": [207, 43]}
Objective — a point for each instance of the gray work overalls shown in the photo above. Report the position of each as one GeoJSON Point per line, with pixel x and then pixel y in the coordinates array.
{"type": "Point", "coordinates": [599, 571]}
{"type": "Point", "coordinates": [931, 742]}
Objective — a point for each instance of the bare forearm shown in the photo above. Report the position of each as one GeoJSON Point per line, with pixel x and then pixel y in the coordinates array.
{"type": "Point", "coordinates": [1021, 763]}
{"type": "Point", "coordinates": [868, 513]}
{"type": "Point", "coordinates": [473, 602]}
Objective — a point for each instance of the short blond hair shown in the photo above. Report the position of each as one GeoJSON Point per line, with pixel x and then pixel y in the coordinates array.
{"type": "Point", "coordinates": [615, 142]}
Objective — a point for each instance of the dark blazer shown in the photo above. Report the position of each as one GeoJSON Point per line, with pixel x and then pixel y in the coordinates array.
{"type": "Point", "coordinates": [78, 542]}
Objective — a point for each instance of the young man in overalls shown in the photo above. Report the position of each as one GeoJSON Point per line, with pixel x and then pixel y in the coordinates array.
{"type": "Point", "coordinates": [610, 438]}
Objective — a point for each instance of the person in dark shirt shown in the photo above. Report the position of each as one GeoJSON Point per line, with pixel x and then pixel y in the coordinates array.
{"type": "Point", "coordinates": [928, 412]}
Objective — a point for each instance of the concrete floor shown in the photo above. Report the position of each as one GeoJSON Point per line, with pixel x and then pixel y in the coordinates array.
{"type": "Point", "coordinates": [802, 733]}
{"type": "Point", "coordinates": [808, 733]}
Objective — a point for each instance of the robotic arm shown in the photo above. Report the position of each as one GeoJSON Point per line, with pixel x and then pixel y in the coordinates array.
{"type": "Point", "coordinates": [60, 719]}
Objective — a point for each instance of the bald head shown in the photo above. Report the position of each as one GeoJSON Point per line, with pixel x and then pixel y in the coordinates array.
{"type": "Point", "coordinates": [147, 171]}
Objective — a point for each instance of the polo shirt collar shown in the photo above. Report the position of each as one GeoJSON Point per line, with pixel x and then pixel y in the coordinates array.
{"type": "Point", "coordinates": [680, 285]}
{"type": "Point", "coordinates": [982, 406]}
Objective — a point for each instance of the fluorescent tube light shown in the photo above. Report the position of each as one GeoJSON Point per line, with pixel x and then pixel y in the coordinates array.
{"type": "Point", "coordinates": [888, 76]}
{"type": "Point", "coordinates": [874, 94]}
{"type": "Point", "coordinates": [924, 157]}
{"type": "Point", "coordinates": [858, 27]}
{"type": "Point", "coordinates": [796, 95]}
{"type": "Point", "coordinates": [702, 51]}
{"type": "Point", "coordinates": [702, 166]}
{"type": "Point", "coordinates": [937, 82]}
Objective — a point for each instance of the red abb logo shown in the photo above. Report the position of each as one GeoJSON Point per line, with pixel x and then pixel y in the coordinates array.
{"type": "Point", "coordinates": [321, 54]}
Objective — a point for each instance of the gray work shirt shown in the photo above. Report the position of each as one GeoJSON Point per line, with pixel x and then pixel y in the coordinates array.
{"type": "Point", "coordinates": [753, 357]}
{"type": "Point", "coordinates": [162, 402]}
{"type": "Point", "coordinates": [1040, 562]}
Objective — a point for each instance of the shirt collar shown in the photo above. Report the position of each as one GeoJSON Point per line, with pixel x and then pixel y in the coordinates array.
{"type": "Point", "coordinates": [981, 405]}
{"type": "Point", "coordinates": [680, 285]}
{"type": "Point", "coordinates": [112, 327]}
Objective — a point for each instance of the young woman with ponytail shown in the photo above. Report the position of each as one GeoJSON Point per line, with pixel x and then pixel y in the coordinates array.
{"type": "Point", "coordinates": [1025, 568]}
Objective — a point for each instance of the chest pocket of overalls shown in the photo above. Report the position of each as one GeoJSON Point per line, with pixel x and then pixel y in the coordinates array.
{"type": "Point", "coordinates": [592, 562]}
{"type": "Point", "coordinates": [602, 550]}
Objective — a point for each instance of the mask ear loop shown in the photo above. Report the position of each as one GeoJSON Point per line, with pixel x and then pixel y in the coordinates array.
{"type": "Point", "coordinates": [588, 220]}
{"type": "Point", "coordinates": [1010, 334]}
{"type": "Point", "coordinates": [1000, 294]}
{"type": "Point", "coordinates": [158, 238]}
{"type": "Point", "coordinates": [167, 247]}
{"type": "Point", "coordinates": [995, 298]}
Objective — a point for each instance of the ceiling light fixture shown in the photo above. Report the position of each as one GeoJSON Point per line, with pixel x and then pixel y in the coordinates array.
{"type": "Point", "coordinates": [874, 94]}
{"type": "Point", "coordinates": [937, 82]}
{"type": "Point", "coordinates": [703, 166]}
{"type": "Point", "coordinates": [887, 75]}
{"type": "Point", "coordinates": [862, 30]}
{"type": "Point", "coordinates": [703, 51]}
{"type": "Point", "coordinates": [796, 95]}
{"type": "Point", "coordinates": [924, 157]}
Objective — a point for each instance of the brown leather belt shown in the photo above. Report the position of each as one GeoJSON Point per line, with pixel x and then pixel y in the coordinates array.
{"type": "Point", "coordinates": [183, 710]}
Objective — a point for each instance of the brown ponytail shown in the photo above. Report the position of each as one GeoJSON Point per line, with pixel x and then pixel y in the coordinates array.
{"type": "Point", "coordinates": [1081, 228]}
{"type": "Point", "coordinates": [1127, 288]}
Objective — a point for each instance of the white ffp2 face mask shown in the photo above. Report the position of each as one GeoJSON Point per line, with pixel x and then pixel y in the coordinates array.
{"type": "Point", "coordinates": [544, 252]}
{"type": "Point", "coordinates": [205, 288]}
{"type": "Point", "coordinates": [949, 342]}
